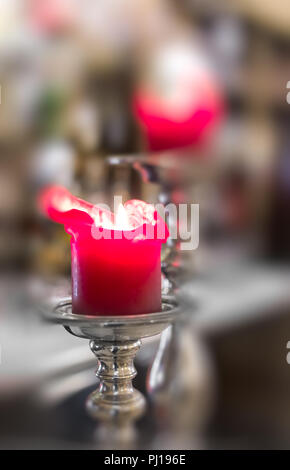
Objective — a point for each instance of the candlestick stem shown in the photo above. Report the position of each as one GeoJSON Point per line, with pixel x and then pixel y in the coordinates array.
{"type": "Point", "coordinates": [115, 400]}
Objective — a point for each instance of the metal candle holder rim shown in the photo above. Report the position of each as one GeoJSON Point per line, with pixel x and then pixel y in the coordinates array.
{"type": "Point", "coordinates": [118, 327]}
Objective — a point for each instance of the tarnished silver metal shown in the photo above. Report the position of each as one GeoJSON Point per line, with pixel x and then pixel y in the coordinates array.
{"type": "Point", "coordinates": [114, 340]}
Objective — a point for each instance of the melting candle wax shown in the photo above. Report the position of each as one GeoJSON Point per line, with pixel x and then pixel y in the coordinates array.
{"type": "Point", "coordinates": [115, 258]}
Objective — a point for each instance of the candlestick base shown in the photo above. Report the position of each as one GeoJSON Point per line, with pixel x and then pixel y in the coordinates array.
{"type": "Point", "coordinates": [114, 340]}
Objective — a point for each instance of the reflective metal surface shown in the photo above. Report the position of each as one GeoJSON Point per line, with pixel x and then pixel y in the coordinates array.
{"type": "Point", "coordinates": [112, 328]}
{"type": "Point", "coordinates": [114, 341]}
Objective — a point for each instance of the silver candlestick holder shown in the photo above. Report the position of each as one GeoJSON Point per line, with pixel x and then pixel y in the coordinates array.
{"type": "Point", "coordinates": [115, 341]}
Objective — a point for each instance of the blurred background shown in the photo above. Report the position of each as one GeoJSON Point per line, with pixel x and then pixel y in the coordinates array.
{"type": "Point", "coordinates": [167, 101]}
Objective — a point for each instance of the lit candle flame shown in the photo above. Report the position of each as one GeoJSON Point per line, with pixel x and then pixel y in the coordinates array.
{"type": "Point", "coordinates": [122, 220]}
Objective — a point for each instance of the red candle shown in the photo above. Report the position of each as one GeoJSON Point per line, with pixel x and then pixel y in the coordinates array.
{"type": "Point", "coordinates": [164, 131]}
{"type": "Point", "coordinates": [115, 258]}
{"type": "Point", "coordinates": [178, 104]}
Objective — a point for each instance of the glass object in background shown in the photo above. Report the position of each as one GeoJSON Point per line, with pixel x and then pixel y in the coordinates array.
{"type": "Point", "coordinates": [156, 179]}
{"type": "Point", "coordinates": [180, 384]}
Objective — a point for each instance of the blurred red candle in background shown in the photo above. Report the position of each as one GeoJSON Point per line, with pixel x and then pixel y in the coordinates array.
{"type": "Point", "coordinates": [115, 259]}
{"type": "Point", "coordinates": [179, 103]}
